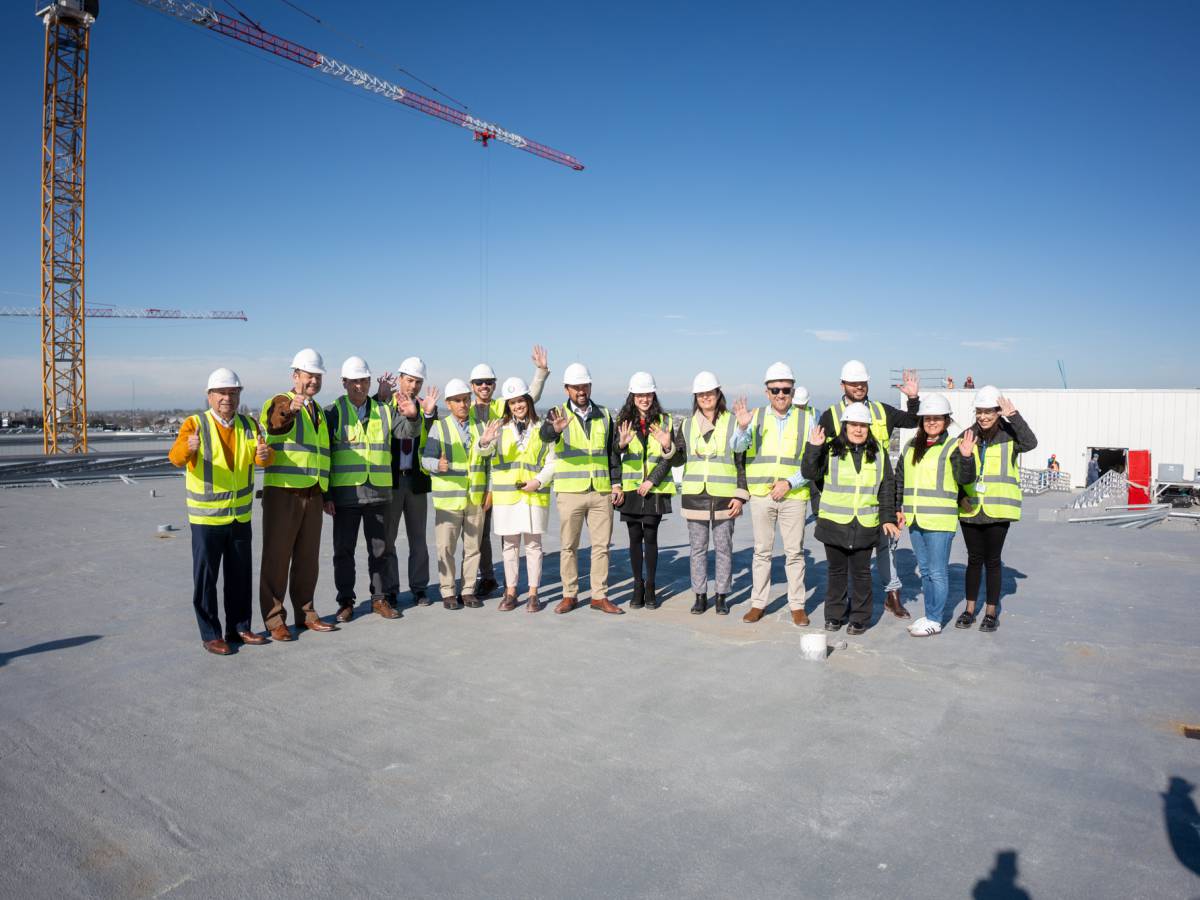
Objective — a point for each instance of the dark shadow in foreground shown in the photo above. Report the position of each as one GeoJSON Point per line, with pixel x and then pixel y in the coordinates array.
{"type": "Point", "coordinates": [1001, 883]}
{"type": "Point", "coordinates": [60, 644]}
{"type": "Point", "coordinates": [1182, 822]}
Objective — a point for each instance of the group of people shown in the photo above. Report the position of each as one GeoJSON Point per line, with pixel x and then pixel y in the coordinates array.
{"type": "Point", "coordinates": [490, 463]}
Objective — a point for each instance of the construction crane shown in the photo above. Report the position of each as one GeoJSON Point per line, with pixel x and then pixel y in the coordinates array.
{"type": "Point", "coordinates": [64, 153]}
{"type": "Point", "coordinates": [117, 312]}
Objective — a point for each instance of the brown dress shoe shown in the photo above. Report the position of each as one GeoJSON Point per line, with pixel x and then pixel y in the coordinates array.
{"type": "Point", "coordinates": [345, 614]}
{"type": "Point", "coordinates": [383, 608]}
{"type": "Point", "coordinates": [799, 617]}
{"type": "Point", "coordinates": [318, 625]}
{"type": "Point", "coordinates": [605, 606]}
{"type": "Point", "coordinates": [218, 647]}
{"type": "Point", "coordinates": [753, 615]}
{"type": "Point", "coordinates": [565, 605]}
{"type": "Point", "coordinates": [893, 604]}
{"type": "Point", "coordinates": [533, 604]}
{"type": "Point", "coordinates": [248, 637]}
{"type": "Point", "coordinates": [509, 602]}
{"type": "Point", "coordinates": [281, 633]}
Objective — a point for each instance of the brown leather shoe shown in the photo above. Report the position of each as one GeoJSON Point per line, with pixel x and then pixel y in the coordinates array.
{"type": "Point", "coordinates": [318, 625]}
{"type": "Point", "coordinates": [799, 617]}
{"type": "Point", "coordinates": [605, 606]}
{"type": "Point", "coordinates": [533, 604]}
{"type": "Point", "coordinates": [893, 605]}
{"type": "Point", "coordinates": [345, 614]}
{"type": "Point", "coordinates": [249, 637]}
{"type": "Point", "coordinates": [218, 647]}
{"type": "Point", "coordinates": [281, 633]}
{"type": "Point", "coordinates": [753, 615]}
{"type": "Point", "coordinates": [509, 602]}
{"type": "Point", "coordinates": [384, 609]}
{"type": "Point", "coordinates": [565, 605]}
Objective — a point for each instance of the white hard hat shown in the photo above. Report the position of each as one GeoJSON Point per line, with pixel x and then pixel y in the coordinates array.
{"type": "Point", "coordinates": [309, 360]}
{"type": "Point", "coordinates": [988, 397]}
{"type": "Point", "coordinates": [414, 366]}
{"type": "Point", "coordinates": [223, 378]}
{"type": "Point", "coordinates": [456, 387]}
{"type": "Point", "coordinates": [482, 371]}
{"type": "Point", "coordinates": [705, 381]}
{"type": "Point", "coordinates": [854, 372]}
{"type": "Point", "coordinates": [642, 383]}
{"type": "Point", "coordinates": [577, 373]}
{"type": "Point", "coordinates": [800, 396]}
{"type": "Point", "coordinates": [512, 388]}
{"type": "Point", "coordinates": [857, 412]}
{"type": "Point", "coordinates": [934, 405]}
{"type": "Point", "coordinates": [355, 367]}
{"type": "Point", "coordinates": [779, 371]}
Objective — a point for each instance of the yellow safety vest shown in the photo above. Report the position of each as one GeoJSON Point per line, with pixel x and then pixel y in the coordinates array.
{"type": "Point", "coordinates": [495, 411]}
{"type": "Point", "coordinates": [851, 493]}
{"type": "Point", "coordinates": [878, 426]}
{"type": "Point", "coordinates": [362, 454]}
{"type": "Point", "coordinates": [709, 467]}
{"type": "Point", "coordinates": [930, 491]}
{"type": "Point", "coordinates": [513, 466]}
{"type": "Point", "coordinates": [465, 482]}
{"type": "Point", "coordinates": [997, 485]}
{"type": "Point", "coordinates": [581, 459]}
{"type": "Point", "coordinates": [775, 455]}
{"type": "Point", "coordinates": [217, 494]}
{"type": "Point", "coordinates": [636, 466]}
{"type": "Point", "coordinates": [301, 453]}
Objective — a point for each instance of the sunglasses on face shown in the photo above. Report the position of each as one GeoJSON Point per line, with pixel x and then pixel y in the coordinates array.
{"type": "Point", "coordinates": [777, 391]}
{"type": "Point", "coordinates": [479, 382]}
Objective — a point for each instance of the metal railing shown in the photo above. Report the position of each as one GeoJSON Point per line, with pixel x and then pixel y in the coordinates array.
{"type": "Point", "coordinates": [1108, 487]}
{"type": "Point", "coordinates": [1039, 481]}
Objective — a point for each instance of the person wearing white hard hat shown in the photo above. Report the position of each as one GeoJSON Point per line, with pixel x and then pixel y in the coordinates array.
{"type": "Point", "coordinates": [587, 485]}
{"type": "Point", "coordinates": [932, 470]}
{"type": "Point", "coordinates": [647, 455]}
{"type": "Point", "coordinates": [293, 491]}
{"type": "Point", "coordinates": [521, 468]}
{"type": "Point", "coordinates": [993, 502]}
{"type": "Point", "coordinates": [779, 493]}
{"type": "Point", "coordinates": [459, 478]}
{"type": "Point", "coordinates": [858, 501]}
{"type": "Point", "coordinates": [410, 484]}
{"type": "Point", "coordinates": [218, 450]}
{"type": "Point", "coordinates": [714, 487]}
{"type": "Point", "coordinates": [361, 430]}
{"type": "Point", "coordinates": [485, 407]}
{"type": "Point", "coordinates": [884, 420]}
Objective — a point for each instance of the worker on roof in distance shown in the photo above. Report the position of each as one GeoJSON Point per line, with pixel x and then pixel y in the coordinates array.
{"type": "Point", "coordinates": [485, 406]}
{"type": "Point", "coordinates": [360, 481]}
{"type": "Point", "coordinates": [294, 486]}
{"type": "Point", "coordinates": [218, 450]}
{"type": "Point", "coordinates": [884, 420]}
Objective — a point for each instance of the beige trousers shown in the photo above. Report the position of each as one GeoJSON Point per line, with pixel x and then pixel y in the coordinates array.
{"type": "Point", "coordinates": [788, 515]}
{"type": "Point", "coordinates": [573, 509]}
{"type": "Point", "coordinates": [448, 526]}
{"type": "Point", "coordinates": [511, 545]}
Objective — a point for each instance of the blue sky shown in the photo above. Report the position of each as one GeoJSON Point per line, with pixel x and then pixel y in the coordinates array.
{"type": "Point", "coordinates": [983, 188]}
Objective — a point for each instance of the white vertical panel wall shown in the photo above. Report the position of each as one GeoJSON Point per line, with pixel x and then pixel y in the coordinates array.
{"type": "Point", "coordinates": [1068, 422]}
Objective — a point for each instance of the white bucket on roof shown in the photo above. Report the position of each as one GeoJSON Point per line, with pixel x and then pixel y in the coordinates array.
{"type": "Point", "coordinates": [813, 647]}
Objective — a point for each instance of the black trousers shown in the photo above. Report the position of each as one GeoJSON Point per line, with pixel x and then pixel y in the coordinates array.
{"type": "Point", "coordinates": [643, 544]}
{"type": "Point", "coordinates": [984, 543]}
{"type": "Point", "coordinates": [346, 522]}
{"type": "Point", "coordinates": [848, 568]}
{"type": "Point", "coordinates": [212, 545]}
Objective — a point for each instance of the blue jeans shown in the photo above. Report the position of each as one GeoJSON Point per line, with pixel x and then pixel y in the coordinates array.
{"type": "Point", "coordinates": [932, 549]}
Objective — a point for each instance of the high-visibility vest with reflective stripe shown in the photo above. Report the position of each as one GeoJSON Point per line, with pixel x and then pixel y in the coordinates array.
{"type": "Point", "coordinates": [774, 456]}
{"type": "Point", "coordinates": [301, 453]}
{"type": "Point", "coordinates": [851, 493]}
{"type": "Point", "coordinates": [930, 491]}
{"type": "Point", "coordinates": [466, 479]}
{"type": "Point", "coordinates": [879, 428]}
{"type": "Point", "coordinates": [635, 469]}
{"type": "Point", "coordinates": [710, 465]}
{"type": "Point", "coordinates": [495, 411]}
{"type": "Point", "coordinates": [362, 454]}
{"type": "Point", "coordinates": [513, 466]}
{"type": "Point", "coordinates": [998, 485]}
{"type": "Point", "coordinates": [581, 462]}
{"type": "Point", "coordinates": [217, 494]}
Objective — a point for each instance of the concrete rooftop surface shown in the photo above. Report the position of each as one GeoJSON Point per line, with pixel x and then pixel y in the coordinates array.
{"type": "Point", "coordinates": [657, 754]}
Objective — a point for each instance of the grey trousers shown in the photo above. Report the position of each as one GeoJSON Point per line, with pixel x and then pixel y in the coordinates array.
{"type": "Point", "coordinates": [414, 510]}
{"type": "Point", "coordinates": [885, 561]}
{"type": "Point", "coordinates": [722, 540]}
{"type": "Point", "coordinates": [485, 548]}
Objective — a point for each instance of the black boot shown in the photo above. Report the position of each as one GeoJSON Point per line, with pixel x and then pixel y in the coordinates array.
{"type": "Point", "coordinates": [700, 605]}
{"type": "Point", "coordinates": [722, 609]}
{"type": "Point", "coordinates": [651, 600]}
{"type": "Point", "coordinates": [639, 595]}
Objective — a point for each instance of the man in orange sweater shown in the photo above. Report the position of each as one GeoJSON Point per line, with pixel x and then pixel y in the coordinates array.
{"type": "Point", "coordinates": [218, 449]}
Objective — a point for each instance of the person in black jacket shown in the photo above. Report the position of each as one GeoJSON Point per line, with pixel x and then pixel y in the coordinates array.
{"type": "Point", "coordinates": [859, 495]}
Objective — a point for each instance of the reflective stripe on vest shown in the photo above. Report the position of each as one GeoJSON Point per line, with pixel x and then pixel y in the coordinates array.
{"type": "Point", "coordinates": [362, 455]}
{"type": "Point", "coordinates": [930, 491]}
{"type": "Point", "coordinates": [636, 466]}
{"type": "Point", "coordinates": [513, 466]}
{"type": "Point", "coordinates": [781, 458]}
{"type": "Point", "coordinates": [851, 493]}
{"type": "Point", "coordinates": [301, 454]}
{"type": "Point", "coordinates": [998, 484]}
{"type": "Point", "coordinates": [466, 479]}
{"type": "Point", "coordinates": [216, 494]}
{"type": "Point", "coordinates": [710, 467]}
{"type": "Point", "coordinates": [879, 428]}
{"type": "Point", "coordinates": [582, 458]}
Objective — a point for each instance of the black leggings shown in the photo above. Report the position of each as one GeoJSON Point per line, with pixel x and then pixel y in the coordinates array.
{"type": "Point", "coordinates": [643, 538]}
{"type": "Point", "coordinates": [984, 545]}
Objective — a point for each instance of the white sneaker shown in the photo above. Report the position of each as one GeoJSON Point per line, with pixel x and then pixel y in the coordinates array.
{"type": "Point", "coordinates": [924, 627]}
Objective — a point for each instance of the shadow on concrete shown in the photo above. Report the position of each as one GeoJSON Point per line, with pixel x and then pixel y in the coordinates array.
{"type": "Point", "coordinates": [47, 646]}
{"type": "Point", "coordinates": [1001, 883]}
{"type": "Point", "coordinates": [1182, 822]}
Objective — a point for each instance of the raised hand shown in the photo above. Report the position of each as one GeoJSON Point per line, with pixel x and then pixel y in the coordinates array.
{"type": "Point", "coordinates": [429, 401]}
{"type": "Point", "coordinates": [966, 444]}
{"type": "Point", "coordinates": [539, 357]}
{"type": "Point", "coordinates": [742, 412]}
{"type": "Point", "coordinates": [816, 437]}
{"type": "Point", "coordinates": [910, 384]}
{"type": "Point", "coordinates": [387, 386]}
{"type": "Point", "coordinates": [297, 403]}
{"type": "Point", "coordinates": [1006, 408]}
{"type": "Point", "coordinates": [624, 434]}
{"type": "Point", "coordinates": [662, 435]}
{"type": "Point", "coordinates": [406, 406]}
{"type": "Point", "coordinates": [558, 420]}
{"type": "Point", "coordinates": [490, 432]}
